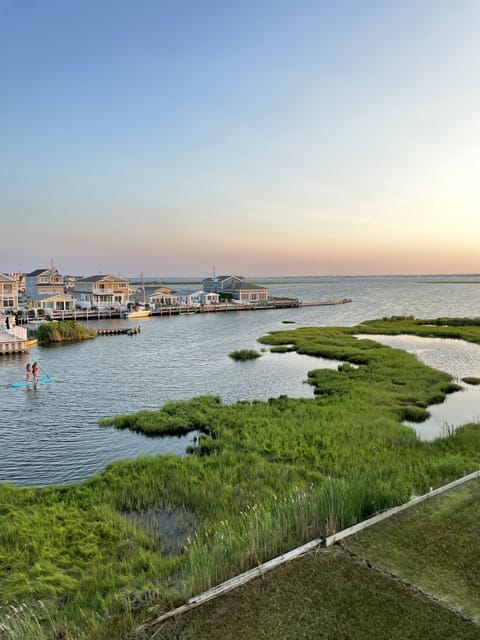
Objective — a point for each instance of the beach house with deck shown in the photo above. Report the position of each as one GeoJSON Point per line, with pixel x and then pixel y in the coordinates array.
{"type": "Point", "coordinates": [8, 293]}
{"type": "Point", "coordinates": [101, 291]}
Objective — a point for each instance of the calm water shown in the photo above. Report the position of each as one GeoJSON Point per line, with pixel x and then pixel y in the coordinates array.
{"type": "Point", "coordinates": [51, 435]}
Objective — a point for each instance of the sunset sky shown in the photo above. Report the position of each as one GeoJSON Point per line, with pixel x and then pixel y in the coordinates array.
{"type": "Point", "coordinates": [265, 138]}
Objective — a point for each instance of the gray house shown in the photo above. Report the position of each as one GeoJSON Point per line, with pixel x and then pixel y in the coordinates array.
{"type": "Point", "coordinates": [238, 287]}
{"type": "Point", "coordinates": [43, 282]}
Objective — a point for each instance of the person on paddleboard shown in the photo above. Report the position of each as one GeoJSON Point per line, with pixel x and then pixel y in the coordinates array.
{"type": "Point", "coordinates": [35, 369]}
{"type": "Point", "coordinates": [28, 371]}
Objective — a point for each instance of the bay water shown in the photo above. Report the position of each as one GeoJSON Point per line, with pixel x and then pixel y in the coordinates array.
{"type": "Point", "coordinates": [50, 435]}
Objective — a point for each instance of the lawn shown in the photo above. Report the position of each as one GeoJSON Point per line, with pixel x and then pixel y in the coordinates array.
{"type": "Point", "coordinates": [389, 581]}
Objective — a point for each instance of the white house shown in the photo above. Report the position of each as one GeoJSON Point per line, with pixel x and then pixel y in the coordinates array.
{"type": "Point", "coordinates": [102, 291]}
{"type": "Point", "coordinates": [208, 297]}
{"type": "Point", "coordinates": [57, 302]}
{"type": "Point", "coordinates": [157, 296]}
{"type": "Point", "coordinates": [8, 293]}
{"type": "Point", "coordinates": [190, 297]}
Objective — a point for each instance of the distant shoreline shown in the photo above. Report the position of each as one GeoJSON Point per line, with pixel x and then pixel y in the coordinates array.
{"type": "Point", "coordinates": [448, 282]}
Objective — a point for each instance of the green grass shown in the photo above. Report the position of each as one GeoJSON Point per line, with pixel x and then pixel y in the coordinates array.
{"type": "Point", "coordinates": [245, 354]}
{"type": "Point", "coordinates": [326, 596]}
{"type": "Point", "coordinates": [263, 477]}
{"type": "Point", "coordinates": [471, 380]}
{"type": "Point", "coordinates": [434, 545]}
{"type": "Point", "coordinates": [63, 330]}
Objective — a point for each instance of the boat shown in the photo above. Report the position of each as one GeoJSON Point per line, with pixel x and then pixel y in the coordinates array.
{"type": "Point", "coordinates": [24, 383]}
{"type": "Point", "coordinates": [138, 313]}
{"type": "Point", "coordinates": [140, 310]}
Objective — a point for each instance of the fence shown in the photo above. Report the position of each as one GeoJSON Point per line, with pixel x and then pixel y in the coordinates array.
{"type": "Point", "coordinates": [260, 570]}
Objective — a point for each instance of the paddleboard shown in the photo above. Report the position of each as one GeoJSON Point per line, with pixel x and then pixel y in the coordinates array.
{"type": "Point", "coordinates": [24, 383]}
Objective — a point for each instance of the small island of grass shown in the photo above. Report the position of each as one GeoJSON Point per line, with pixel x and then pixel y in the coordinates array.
{"type": "Point", "coordinates": [245, 354]}
{"type": "Point", "coordinates": [63, 331]}
{"type": "Point", "coordinates": [471, 380]}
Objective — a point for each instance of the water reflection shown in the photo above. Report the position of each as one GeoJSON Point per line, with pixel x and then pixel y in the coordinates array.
{"type": "Point", "coordinates": [459, 359]}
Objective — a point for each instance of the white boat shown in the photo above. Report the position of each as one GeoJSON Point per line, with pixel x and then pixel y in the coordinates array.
{"type": "Point", "coordinates": [138, 313]}
{"type": "Point", "coordinates": [140, 310]}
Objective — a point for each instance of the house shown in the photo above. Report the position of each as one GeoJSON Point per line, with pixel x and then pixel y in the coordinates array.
{"type": "Point", "coordinates": [237, 287]}
{"type": "Point", "coordinates": [69, 282]}
{"type": "Point", "coordinates": [249, 292]}
{"type": "Point", "coordinates": [190, 297]}
{"type": "Point", "coordinates": [102, 291]}
{"type": "Point", "coordinates": [42, 282]}
{"type": "Point", "coordinates": [208, 297]}
{"type": "Point", "coordinates": [221, 284]}
{"type": "Point", "coordinates": [156, 296]}
{"type": "Point", "coordinates": [8, 293]}
{"type": "Point", "coordinates": [56, 302]}
{"type": "Point", "coordinates": [197, 297]}
{"type": "Point", "coordinates": [19, 277]}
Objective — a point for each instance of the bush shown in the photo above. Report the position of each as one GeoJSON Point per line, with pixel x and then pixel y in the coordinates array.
{"type": "Point", "coordinates": [245, 354]}
{"type": "Point", "coordinates": [63, 331]}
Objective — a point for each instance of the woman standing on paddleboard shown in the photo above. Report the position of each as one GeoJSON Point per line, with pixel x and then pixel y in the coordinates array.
{"type": "Point", "coordinates": [35, 369]}
{"type": "Point", "coordinates": [28, 370]}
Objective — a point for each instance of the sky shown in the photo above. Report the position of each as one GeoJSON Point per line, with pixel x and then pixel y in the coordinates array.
{"type": "Point", "coordinates": [266, 137]}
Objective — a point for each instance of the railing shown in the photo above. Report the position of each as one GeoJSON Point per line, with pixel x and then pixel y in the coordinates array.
{"type": "Point", "coordinates": [16, 332]}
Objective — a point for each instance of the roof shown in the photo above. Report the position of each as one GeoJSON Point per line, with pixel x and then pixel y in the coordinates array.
{"type": "Point", "coordinates": [221, 278]}
{"type": "Point", "coordinates": [99, 277]}
{"type": "Point", "coordinates": [54, 296]}
{"type": "Point", "coordinates": [39, 272]}
{"type": "Point", "coordinates": [5, 278]}
{"type": "Point", "coordinates": [151, 289]}
{"type": "Point", "coordinates": [247, 286]}
{"type": "Point", "coordinates": [190, 292]}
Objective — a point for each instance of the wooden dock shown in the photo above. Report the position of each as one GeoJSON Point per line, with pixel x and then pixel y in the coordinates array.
{"type": "Point", "coordinates": [325, 303]}
{"type": "Point", "coordinates": [124, 331]}
{"type": "Point", "coordinates": [177, 310]}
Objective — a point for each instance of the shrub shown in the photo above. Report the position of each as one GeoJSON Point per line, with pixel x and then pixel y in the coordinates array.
{"type": "Point", "coordinates": [245, 354]}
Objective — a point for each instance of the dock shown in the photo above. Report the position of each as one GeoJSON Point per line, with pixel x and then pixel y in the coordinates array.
{"type": "Point", "coordinates": [178, 310]}
{"type": "Point", "coordinates": [325, 303]}
{"type": "Point", "coordinates": [124, 331]}
{"type": "Point", "coordinates": [13, 340]}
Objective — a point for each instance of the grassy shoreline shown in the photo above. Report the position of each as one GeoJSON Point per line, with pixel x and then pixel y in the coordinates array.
{"type": "Point", "coordinates": [263, 477]}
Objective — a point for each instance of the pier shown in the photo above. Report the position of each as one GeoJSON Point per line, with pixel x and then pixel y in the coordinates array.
{"type": "Point", "coordinates": [325, 303]}
{"type": "Point", "coordinates": [177, 310]}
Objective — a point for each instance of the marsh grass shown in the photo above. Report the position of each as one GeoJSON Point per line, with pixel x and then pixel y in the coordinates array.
{"type": "Point", "coordinates": [262, 478]}
{"type": "Point", "coordinates": [245, 354]}
{"type": "Point", "coordinates": [63, 331]}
